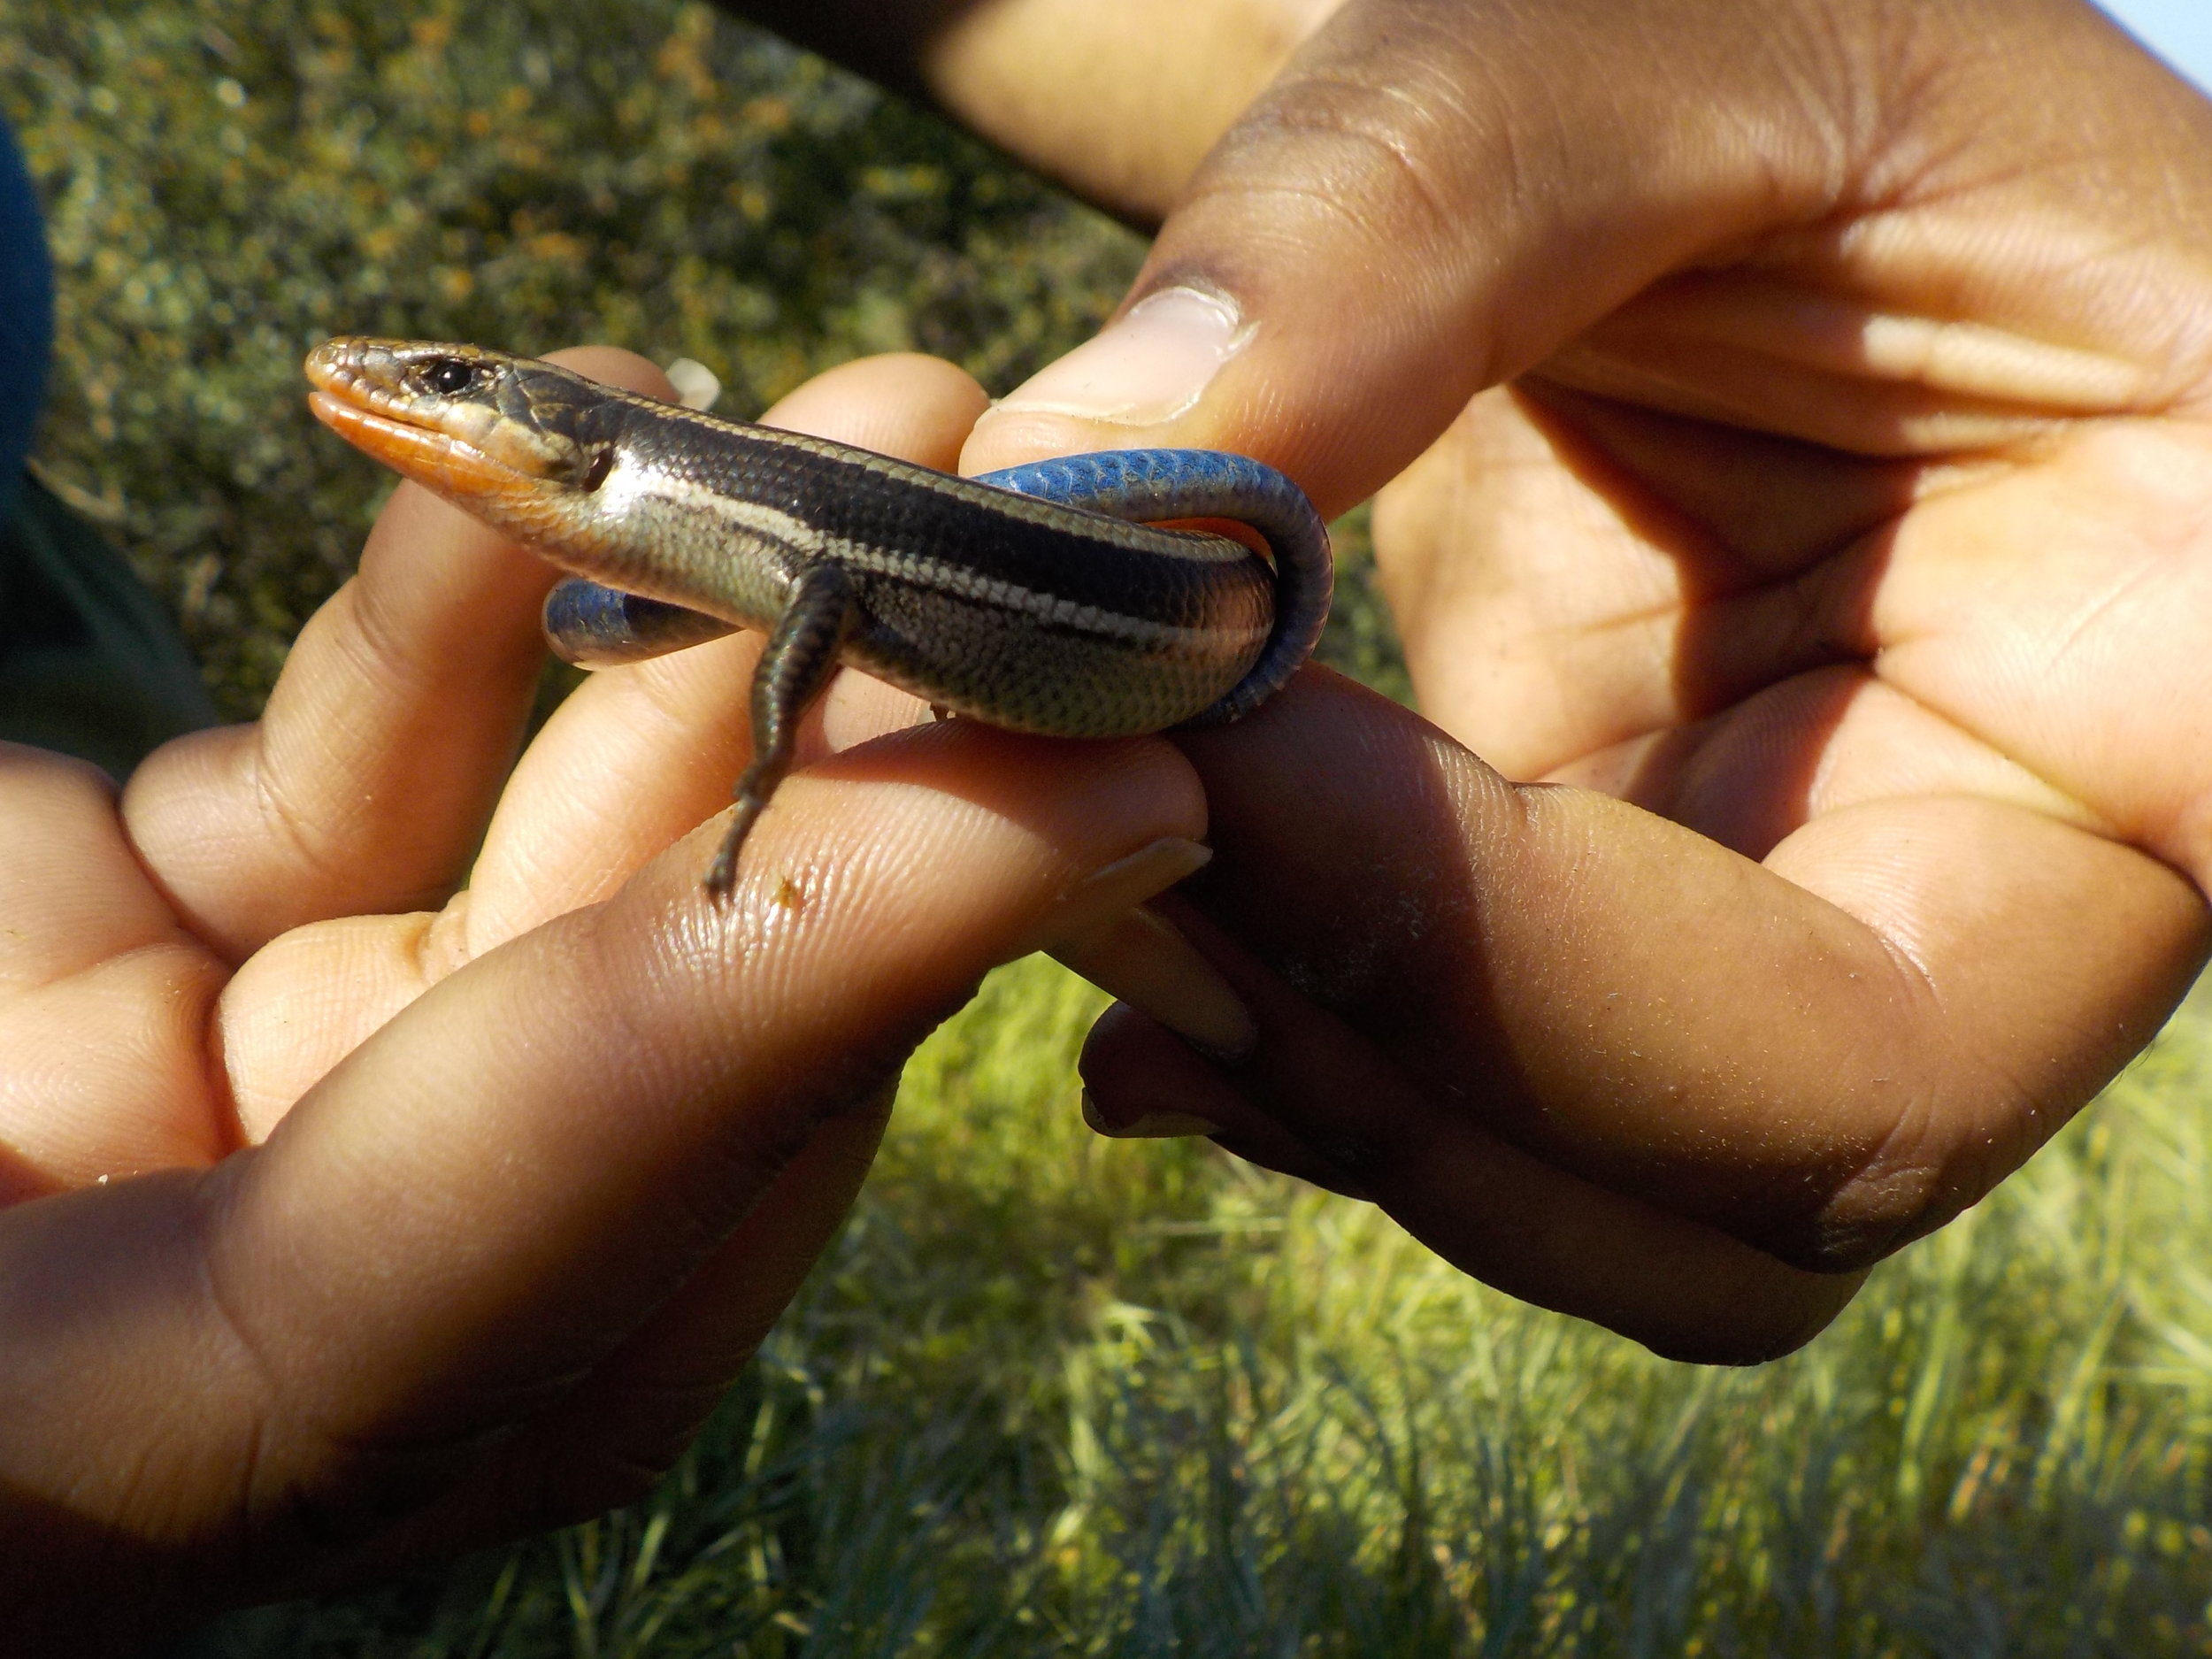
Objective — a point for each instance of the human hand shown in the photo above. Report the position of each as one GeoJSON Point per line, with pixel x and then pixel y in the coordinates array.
{"type": "Point", "coordinates": [1840, 555]}
{"type": "Point", "coordinates": [356, 1220]}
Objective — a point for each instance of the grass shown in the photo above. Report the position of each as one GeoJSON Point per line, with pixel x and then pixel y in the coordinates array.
{"type": "Point", "coordinates": [1049, 1394]}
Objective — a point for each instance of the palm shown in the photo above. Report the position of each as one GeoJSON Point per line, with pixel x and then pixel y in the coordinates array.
{"type": "Point", "coordinates": [1753, 636]}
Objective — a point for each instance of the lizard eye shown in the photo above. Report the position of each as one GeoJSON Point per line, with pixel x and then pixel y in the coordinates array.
{"type": "Point", "coordinates": [449, 377]}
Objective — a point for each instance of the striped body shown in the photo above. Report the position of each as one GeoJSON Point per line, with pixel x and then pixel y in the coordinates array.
{"type": "Point", "coordinates": [1025, 612]}
{"type": "Point", "coordinates": [1048, 598]}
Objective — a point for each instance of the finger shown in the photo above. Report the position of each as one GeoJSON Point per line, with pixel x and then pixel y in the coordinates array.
{"type": "Point", "coordinates": [641, 1409]}
{"type": "Point", "coordinates": [493, 1195]}
{"type": "Point", "coordinates": [104, 1000]}
{"type": "Point", "coordinates": [1651, 641]}
{"type": "Point", "coordinates": [607, 1442]}
{"type": "Point", "coordinates": [1991, 641]}
{"type": "Point", "coordinates": [904, 403]}
{"type": "Point", "coordinates": [639, 755]}
{"type": "Point", "coordinates": [1684, 1290]}
{"type": "Point", "coordinates": [1143, 1082]}
{"type": "Point", "coordinates": [1672, 569]}
{"type": "Point", "coordinates": [1435, 196]}
{"type": "Point", "coordinates": [366, 785]}
{"type": "Point", "coordinates": [1822, 1057]}
{"type": "Point", "coordinates": [309, 997]}
{"type": "Point", "coordinates": [1119, 102]}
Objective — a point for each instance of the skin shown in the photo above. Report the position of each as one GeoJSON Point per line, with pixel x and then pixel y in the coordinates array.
{"type": "Point", "coordinates": [1790, 429]}
{"type": "Point", "coordinates": [360, 1219]}
{"type": "Point", "coordinates": [1793, 423]}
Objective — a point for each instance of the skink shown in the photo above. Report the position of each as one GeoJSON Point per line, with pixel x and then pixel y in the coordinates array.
{"type": "Point", "coordinates": [1047, 598]}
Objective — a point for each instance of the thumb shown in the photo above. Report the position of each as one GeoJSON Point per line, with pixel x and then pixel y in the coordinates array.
{"type": "Point", "coordinates": [1433, 197]}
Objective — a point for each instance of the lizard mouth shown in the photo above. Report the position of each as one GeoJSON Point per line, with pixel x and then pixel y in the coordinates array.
{"type": "Point", "coordinates": [448, 464]}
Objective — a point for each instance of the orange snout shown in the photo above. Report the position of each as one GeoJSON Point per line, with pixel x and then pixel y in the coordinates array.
{"type": "Point", "coordinates": [445, 464]}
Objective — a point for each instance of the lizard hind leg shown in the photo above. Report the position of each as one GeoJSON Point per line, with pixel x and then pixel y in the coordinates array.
{"type": "Point", "coordinates": [800, 658]}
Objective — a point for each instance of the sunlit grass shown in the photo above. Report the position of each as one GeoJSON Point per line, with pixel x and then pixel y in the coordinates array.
{"type": "Point", "coordinates": [1053, 1394]}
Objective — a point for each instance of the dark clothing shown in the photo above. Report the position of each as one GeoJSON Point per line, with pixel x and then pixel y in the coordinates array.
{"type": "Point", "coordinates": [89, 661]}
{"type": "Point", "coordinates": [26, 314]}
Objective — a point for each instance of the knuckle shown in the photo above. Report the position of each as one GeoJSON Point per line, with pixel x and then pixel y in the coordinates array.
{"type": "Point", "coordinates": [1913, 1181]}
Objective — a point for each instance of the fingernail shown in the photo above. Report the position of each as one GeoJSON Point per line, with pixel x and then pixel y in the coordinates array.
{"type": "Point", "coordinates": [697, 386]}
{"type": "Point", "coordinates": [1100, 898]}
{"type": "Point", "coordinates": [1130, 953]}
{"type": "Point", "coordinates": [1139, 957]}
{"type": "Point", "coordinates": [1149, 367]}
{"type": "Point", "coordinates": [1151, 1126]}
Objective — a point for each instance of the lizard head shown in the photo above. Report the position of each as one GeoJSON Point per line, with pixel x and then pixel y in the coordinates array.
{"type": "Point", "coordinates": [505, 438]}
